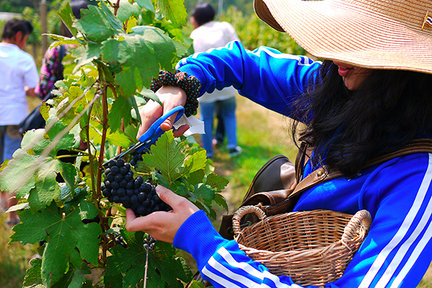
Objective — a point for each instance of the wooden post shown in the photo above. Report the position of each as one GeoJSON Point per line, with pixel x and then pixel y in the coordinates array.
{"type": "Point", "coordinates": [43, 19]}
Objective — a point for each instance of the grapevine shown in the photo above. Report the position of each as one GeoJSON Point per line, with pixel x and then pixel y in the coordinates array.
{"type": "Point", "coordinates": [117, 47]}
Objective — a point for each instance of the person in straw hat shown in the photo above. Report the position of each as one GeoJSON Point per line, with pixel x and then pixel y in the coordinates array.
{"type": "Point", "coordinates": [370, 96]}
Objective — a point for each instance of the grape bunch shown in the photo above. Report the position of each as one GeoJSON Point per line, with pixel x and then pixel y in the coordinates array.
{"type": "Point", "coordinates": [136, 156]}
{"type": "Point", "coordinates": [120, 186]}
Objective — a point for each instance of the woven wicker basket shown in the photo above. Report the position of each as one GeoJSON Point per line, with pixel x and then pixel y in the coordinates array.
{"type": "Point", "coordinates": [312, 247]}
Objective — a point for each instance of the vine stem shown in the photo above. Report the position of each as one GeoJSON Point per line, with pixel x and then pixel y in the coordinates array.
{"type": "Point", "coordinates": [91, 159]}
{"type": "Point", "coordinates": [116, 7]}
{"type": "Point", "coordinates": [100, 162]}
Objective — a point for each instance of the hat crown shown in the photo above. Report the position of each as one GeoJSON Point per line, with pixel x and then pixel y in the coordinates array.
{"type": "Point", "coordinates": [411, 13]}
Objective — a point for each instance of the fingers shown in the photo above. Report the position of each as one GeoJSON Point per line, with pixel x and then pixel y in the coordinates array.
{"type": "Point", "coordinates": [179, 204]}
{"type": "Point", "coordinates": [168, 196]}
{"type": "Point", "coordinates": [181, 130]}
{"type": "Point", "coordinates": [169, 122]}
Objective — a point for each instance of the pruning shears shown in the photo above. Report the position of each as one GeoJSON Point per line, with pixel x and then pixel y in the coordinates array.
{"type": "Point", "coordinates": [152, 134]}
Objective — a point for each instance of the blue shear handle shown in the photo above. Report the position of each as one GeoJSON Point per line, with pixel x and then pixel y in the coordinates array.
{"type": "Point", "coordinates": [154, 132]}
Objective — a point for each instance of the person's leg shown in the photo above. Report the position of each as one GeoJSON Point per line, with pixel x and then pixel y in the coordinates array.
{"type": "Point", "coordinates": [12, 141]}
{"type": "Point", "coordinates": [220, 128]}
{"type": "Point", "coordinates": [3, 195]}
{"type": "Point", "coordinates": [228, 108]}
{"type": "Point", "coordinates": [207, 112]}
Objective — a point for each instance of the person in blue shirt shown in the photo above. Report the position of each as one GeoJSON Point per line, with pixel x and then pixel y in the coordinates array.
{"type": "Point", "coordinates": [370, 96]}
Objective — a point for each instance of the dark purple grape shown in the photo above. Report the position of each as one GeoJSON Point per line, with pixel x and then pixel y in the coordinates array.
{"type": "Point", "coordinates": [114, 169]}
{"type": "Point", "coordinates": [120, 162]}
{"type": "Point", "coordinates": [115, 185]}
{"type": "Point", "coordinates": [121, 191]}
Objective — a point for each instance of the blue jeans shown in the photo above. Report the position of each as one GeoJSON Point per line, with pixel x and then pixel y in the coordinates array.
{"type": "Point", "coordinates": [227, 110]}
{"type": "Point", "coordinates": [10, 141]}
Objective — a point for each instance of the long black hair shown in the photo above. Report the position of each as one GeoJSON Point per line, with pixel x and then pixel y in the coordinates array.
{"type": "Point", "coordinates": [349, 128]}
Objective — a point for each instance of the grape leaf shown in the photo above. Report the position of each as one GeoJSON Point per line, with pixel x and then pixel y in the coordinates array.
{"type": "Point", "coordinates": [126, 81]}
{"type": "Point", "coordinates": [46, 190]}
{"type": "Point", "coordinates": [22, 186]}
{"type": "Point", "coordinates": [196, 161]}
{"type": "Point", "coordinates": [163, 46]}
{"type": "Point", "coordinates": [204, 192]}
{"type": "Point", "coordinates": [120, 109]}
{"type": "Point", "coordinates": [127, 9]}
{"type": "Point", "coordinates": [127, 265]}
{"type": "Point", "coordinates": [216, 182]}
{"type": "Point", "coordinates": [98, 23]}
{"type": "Point", "coordinates": [66, 15]}
{"type": "Point", "coordinates": [33, 274]}
{"type": "Point", "coordinates": [63, 234]}
{"type": "Point", "coordinates": [149, 94]}
{"type": "Point", "coordinates": [69, 173]}
{"type": "Point", "coordinates": [66, 142]}
{"type": "Point", "coordinates": [85, 54]}
{"type": "Point", "coordinates": [118, 138]}
{"type": "Point", "coordinates": [146, 4]}
{"type": "Point", "coordinates": [173, 10]}
{"type": "Point", "coordinates": [166, 157]}
{"type": "Point", "coordinates": [77, 280]}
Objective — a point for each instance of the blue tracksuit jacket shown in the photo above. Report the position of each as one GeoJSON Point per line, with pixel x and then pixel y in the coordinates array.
{"type": "Point", "coordinates": [397, 193]}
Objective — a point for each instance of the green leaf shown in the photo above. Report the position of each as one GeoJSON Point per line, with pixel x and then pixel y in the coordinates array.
{"type": "Point", "coordinates": [149, 94]}
{"type": "Point", "coordinates": [77, 280]}
{"type": "Point", "coordinates": [220, 200]}
{"type": "Point", "coordinates": [173, 10]}
{"type": "Point", "coordinates": [66, 15]}
{"type": "Point", "coordinates": [197, 161]}
{"type": "Point", "coordinates": [61, 40]}
{"type": "Point", "coordinates": [33, 274]}
{"type": "Point", "coordinates": [69, 174]}
{"type": "Point", "coordinates": [85, 54]}
{"type": "Point", "coordinates": [166, 157]}
{"type": "Point", "coordinates": [23, 185]}
{"type": "Point", "coordinates": [45, 191]}
{"type": "Point", "coordinates": [146, 4]}
{"type": "Point", "coordinates": [120, 109]}
{"type": "Point", "coordinates": [126, 81]}
{"type": "Point", "coordinates": [196, 177]}
{"type": "Point", "coordinates": [98, 23]}
{"type": "Point", "coordinates": [118, 138]}
{"type": "Point", "coordinates": [204, 192]}
{"type": "Point", "coordinates": [66, 142]}
{"type": "Point", "coordinates": [126, 10]}
{"type": "Point", "coordinates": [163, 45]}
{"type": "Point", "coordinates": [54, 258]}
{"type": "Point", "coordinates": [217, 182]}
{"type": "Point", "coordinates": [29, 230]}
{"type": "Point", "coordinates": [64, 233]}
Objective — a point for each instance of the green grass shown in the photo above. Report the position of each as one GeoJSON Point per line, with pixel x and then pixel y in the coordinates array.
{"type": "Point", "coordinates": [262, 134]}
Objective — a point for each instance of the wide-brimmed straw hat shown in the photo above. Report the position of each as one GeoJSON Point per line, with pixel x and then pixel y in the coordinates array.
{"type": "Point", "coordinates": [382, 34]}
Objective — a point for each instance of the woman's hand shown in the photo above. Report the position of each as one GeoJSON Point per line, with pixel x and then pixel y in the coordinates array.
{"type": "Point", "coordinates": [162, 225]}
{"type": "Point", "coordinates": [170, 97]}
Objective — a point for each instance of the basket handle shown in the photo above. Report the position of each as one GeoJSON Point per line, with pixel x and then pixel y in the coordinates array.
{"type": "Point", "coordinates": [242, 211]}
{"type": "Point", "coordinates": [360, 219]}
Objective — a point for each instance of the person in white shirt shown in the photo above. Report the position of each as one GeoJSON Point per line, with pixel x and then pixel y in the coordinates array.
{"type": "Point", "coordinates": [19, 78]}
{"type": "Point", "coordinates": [209, 34]}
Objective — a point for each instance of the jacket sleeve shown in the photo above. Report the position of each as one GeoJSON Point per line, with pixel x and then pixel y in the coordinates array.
{"type": "Point", "coordinates": [398, 248]}
{"type": "Point", "coordinates": [265, 75]}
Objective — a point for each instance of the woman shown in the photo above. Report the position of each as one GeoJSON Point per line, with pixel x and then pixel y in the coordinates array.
{"type": "Point", "coordinates": [371, 96]}
{"type": "Point", "coordinates": [52, 66]}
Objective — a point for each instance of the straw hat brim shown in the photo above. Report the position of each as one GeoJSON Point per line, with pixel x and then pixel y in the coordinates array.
{"type": "Point", "coordinates": [347, 32]}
